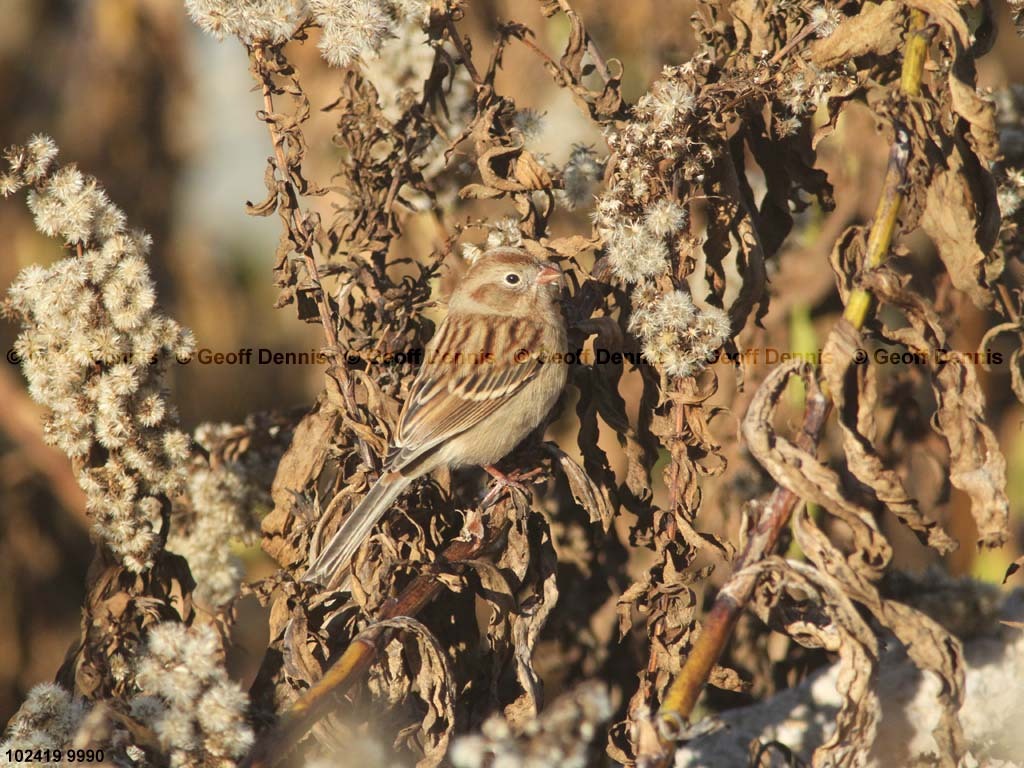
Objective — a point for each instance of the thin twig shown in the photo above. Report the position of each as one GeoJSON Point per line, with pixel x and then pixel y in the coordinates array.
{"type": "Point", "coordinates": [1008, 304]}
{"type": "Point", "coordinates": [557, 71]}
{"type": "Point", "coordinates": [460, 46]}
{"type": "Point", "coordinates": [304, 245]}
{"type": "Point", "coordinates": [800, 36]}
{"type": "Point", "coordinates": [775, 513]}
{"type": "Point", "coordinates": [312, 271]}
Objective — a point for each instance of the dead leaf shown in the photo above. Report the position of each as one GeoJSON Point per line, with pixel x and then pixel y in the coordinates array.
{"type": "Point", "coordinates": [530, 173]}
{"type": "Point", "coordinates": [877, 30]}
{"type": "Point", "coordinates": [977, 465]}
{"type": "Point", "coordinates": [949, 220]}
{"type": "Point", "coordinates": [854, 391]}
{"type": "Point", "coordinates": [588, 494]}
{"type": "Point", "coordinates": [425, 670]}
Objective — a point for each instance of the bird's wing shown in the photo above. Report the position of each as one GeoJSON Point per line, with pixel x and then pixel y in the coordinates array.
{"type": "Point", "coordinates": [458, 386]}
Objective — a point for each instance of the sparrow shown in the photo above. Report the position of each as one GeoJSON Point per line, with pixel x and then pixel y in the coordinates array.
{"type": "Point", "coordinates": [487, 381]}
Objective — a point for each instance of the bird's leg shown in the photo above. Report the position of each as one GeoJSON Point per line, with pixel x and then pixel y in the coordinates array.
{"type": "Point", "coordinates": [513, 481]}
{"type": "Point", "coordinates": [514, 478]}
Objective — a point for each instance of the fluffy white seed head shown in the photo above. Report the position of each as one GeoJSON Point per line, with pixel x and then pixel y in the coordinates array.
{"type": "Point", "coordinates": [504, 232]}
{"type": "Point", "coordinates": [188, 700]}
{"type": "Point", "coordinates": [351, 28]}
{"type": "Point", "coordinates": [581, 176]}
{"type": "Point", "coordinates": [635, 253]}
{"type": "Point", "coordinates": [824, 20]}
{"type": "Point", "coordinates": [273, 21]}
{"type": "Point", "coordinates": [84, 321]}
{"type": "Point", "coordinates": [48, 719]}
{"type": "Point", "coordinates": [665, 217]}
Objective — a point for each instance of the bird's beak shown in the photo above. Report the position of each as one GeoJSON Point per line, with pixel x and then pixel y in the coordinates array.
{"type": "Point", "coordinates": [549, 274]}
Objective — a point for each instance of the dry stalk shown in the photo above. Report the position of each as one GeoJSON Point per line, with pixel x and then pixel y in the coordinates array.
{"type": "Point", "coordinates": [306, 245]}
{"type": "Point", "coordinates": [772, 516]}
{"type": "Point", "coordinates": [464, 53]}
{"type": "Point", "coordinates": [303, 242]}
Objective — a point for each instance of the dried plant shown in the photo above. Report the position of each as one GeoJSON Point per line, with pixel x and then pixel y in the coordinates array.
{"type": "Point", "coordinates": [459, 613]}
{"type": "Point", "coordinates": [95, 352]}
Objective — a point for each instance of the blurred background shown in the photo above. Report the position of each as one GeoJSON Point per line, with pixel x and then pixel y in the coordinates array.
{"type": "Point", "coordinates": [164, 116]}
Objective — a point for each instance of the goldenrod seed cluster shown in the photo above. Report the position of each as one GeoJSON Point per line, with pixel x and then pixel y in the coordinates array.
{"type": "Point", "coordinates": [643, 225]}
{"type": "Point", "coordinates": [196, 711]}
{"type": "Point", "coordinates": [676, 336]}
{"type": "Point", "coordinates": [560, 735]}
{"type": "Point", "coordinates": [225, 499]}
{"type": "Point", "coordinates": [95, 352]}
{"type": "Point", "coordinates": [348, 28]}
{"type": "Point", "coordinates": [47, 720]}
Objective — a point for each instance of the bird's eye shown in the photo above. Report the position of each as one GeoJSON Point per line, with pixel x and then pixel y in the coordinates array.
{"type": "Point", "coordinates": [511, 278]}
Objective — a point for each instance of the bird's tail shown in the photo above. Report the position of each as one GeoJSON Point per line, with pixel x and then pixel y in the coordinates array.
{"type": "Point", "coordinates": [339, 551]}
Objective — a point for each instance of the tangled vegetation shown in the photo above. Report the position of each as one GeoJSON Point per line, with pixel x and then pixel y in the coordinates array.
{"type": "Point", "coordinates": [683, 480]}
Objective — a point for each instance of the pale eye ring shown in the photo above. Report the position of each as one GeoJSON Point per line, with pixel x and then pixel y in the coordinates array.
{"type": "Point", "coordinates": [511, 278]}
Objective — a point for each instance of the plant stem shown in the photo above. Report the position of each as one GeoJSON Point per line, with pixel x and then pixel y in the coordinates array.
{"type": "Point", "coordinates": [775, 513]}
{"type": "Point", "coordinates": [880, 239]}
{"type": "Point", "coordinates": [460, 46]}
{"type": "Point", "coordinates": [304, 246]}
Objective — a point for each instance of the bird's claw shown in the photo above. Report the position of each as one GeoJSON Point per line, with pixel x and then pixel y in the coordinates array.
{"type": "Point", "coordinates": [513, 482]}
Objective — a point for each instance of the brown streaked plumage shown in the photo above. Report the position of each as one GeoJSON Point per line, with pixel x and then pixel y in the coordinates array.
{"type": "Point", "coordinates": [484, 385]}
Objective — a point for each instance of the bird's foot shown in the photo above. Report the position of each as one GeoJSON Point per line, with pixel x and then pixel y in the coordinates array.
{"type": "Point", "coordinates": [516, 481]}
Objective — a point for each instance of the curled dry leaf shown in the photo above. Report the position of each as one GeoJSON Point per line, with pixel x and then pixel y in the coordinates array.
{"type": "Point", "coordinates": [854, 391]}
{"type": "Point", "coordinates": [977, 465]}
{"type": "Point", "coordinates": [948, 221]}
{"type": "Point", "coordinates": [298, 469]}
{"type": "Point", "coordinates": [1016, 362]}
{"type": "Point", "coordinates": [930, 646]}
{"type": "Point", "coordinates": [533, 549]}
{"type": "Point", "coordinates": [425, 670]}
{"type": "Point", "coordinates": [803, 473]}
{"type": "Point", "coordinates": [813, 608]}
{"type": "Point", "coordinates": [877, 30]}
{"type": "Point", "coordinates": [588, 494]}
